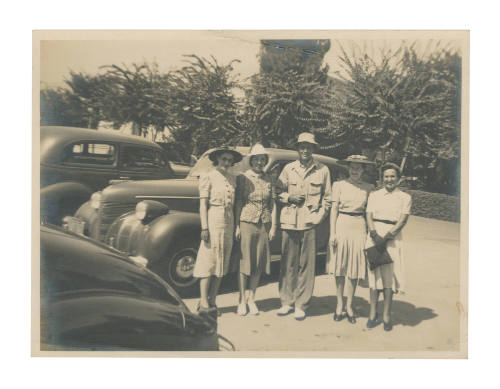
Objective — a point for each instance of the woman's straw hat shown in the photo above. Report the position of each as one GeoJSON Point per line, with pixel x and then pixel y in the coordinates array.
{"type": "Point", "coordinates": [225, 149]}
{"type": "Point", "coordinates": [356, 159]}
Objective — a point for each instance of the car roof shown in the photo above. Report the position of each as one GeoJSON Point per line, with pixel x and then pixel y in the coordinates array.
{"type": "Point", "coordinates": [54, 138]}
{"type": "Point", "coordinates": [283, 154]}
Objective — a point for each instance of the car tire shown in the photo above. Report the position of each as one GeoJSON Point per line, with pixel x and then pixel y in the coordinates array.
{"type": "Point", "coordinates": [177, 268]}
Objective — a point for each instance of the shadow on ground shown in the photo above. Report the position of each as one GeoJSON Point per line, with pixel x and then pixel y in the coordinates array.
{"type": "Point", "coordinates": [403, 313]}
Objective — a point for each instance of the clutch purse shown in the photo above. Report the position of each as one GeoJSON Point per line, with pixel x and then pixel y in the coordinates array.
{"type": "Point", "coordinates": [377, 256]}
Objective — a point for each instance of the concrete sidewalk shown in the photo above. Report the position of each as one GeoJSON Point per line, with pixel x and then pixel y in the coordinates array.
{"type": "Point", "coordinates": [426, 319]}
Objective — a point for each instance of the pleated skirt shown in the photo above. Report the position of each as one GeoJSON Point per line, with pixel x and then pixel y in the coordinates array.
{"type": "Point", "coordinates": [348, 258]}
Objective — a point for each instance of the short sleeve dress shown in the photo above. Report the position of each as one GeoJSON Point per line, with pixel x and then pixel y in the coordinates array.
{"type": "Point", "coordinates": [214, 257]}
{"type": "Point", "coordinates": [386, 209]}
{"type": "Point", "coordinates": [347, 259]}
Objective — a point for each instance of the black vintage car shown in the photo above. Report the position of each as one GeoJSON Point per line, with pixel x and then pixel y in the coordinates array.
{"type": "Point", "coordinates": [76, 162]}
{"type": "Point", "coordinates": [160, 221]}
{"type": "Point", "coordinates": [93, 297]}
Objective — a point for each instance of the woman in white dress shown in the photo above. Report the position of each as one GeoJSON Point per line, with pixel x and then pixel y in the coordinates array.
{"type": "Point", "coordinates": [346, 257]}
{"type": "Point", "coordinates": [387, 213]}
{"type": "Point", "coordinates": [217, 192]}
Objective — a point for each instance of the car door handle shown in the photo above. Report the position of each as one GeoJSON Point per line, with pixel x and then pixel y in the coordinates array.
{"type": "Point", "coordinates": [124, 178]}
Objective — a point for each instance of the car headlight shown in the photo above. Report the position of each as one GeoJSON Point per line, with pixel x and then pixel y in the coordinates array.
{"type": "Point", "coordinates": [95, 200]}
{"type": "Point", "coordinates": [147, 210]}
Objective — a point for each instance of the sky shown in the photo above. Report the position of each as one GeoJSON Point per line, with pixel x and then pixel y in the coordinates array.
{"type": "Point", "coordinates": [88, 51]}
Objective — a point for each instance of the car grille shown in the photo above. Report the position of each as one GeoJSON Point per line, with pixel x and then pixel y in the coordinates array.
{"type": "Point", "coordinates": [127, 236]}
{"type": "Point", "coordinates": [108, 213]}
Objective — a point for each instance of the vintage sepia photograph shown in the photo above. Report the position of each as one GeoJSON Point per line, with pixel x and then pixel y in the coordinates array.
{"type": "Point", "coordinates": [250, 193]}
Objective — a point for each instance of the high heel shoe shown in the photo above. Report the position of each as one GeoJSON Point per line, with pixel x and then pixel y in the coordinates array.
{"type": "Point", "coordinates": [242, 309]}
{"type": "Point", "coordinates": [387, 326]}
{"type": "Point", "coordinates": [372, 323]}
{"type": "Point", "coordinates": [351, 319]}
{"type": "Point", "coordinates": [338, 317]}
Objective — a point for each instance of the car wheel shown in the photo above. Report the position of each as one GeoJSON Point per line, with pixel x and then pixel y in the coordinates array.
{"type": "Point", "coordinates": [177, 268]}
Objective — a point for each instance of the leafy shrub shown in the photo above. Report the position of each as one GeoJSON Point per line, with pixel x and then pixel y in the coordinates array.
{"type": "Point", "coordinates": [435, 205]}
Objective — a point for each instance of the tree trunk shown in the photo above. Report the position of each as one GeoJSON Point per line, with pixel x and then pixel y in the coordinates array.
{"type": "Point", "coordinates": [405, 150]}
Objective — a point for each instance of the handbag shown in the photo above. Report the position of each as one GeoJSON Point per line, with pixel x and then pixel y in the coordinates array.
{"type": "Point", "coordinates": [376, 256]}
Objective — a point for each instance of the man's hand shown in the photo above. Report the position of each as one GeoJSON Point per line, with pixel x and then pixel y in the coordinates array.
{"type": "Point", "coordinates": [296, 198]}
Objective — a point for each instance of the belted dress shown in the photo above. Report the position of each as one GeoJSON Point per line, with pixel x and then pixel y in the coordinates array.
{"type": "Point", "coordinates": [214, 257]}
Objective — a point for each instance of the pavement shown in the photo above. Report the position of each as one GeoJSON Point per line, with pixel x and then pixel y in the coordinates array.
{"type": "Point", "coordinates": [427, 318]}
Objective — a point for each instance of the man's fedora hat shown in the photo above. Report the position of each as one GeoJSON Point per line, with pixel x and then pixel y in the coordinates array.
{"type": "Point", "coordinates": [307, 137]}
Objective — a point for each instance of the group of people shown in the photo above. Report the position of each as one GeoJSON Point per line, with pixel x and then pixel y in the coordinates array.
{"type": "Point", "coordinates": [245, 208]}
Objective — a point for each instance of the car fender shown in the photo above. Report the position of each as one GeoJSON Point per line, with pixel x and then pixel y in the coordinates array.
{"type": "Point", "coordinates": [65, 189]}
{"type": "Point", "coordinates": [167, 230]}
{"type": "Point", "coordinates": [62, 199]}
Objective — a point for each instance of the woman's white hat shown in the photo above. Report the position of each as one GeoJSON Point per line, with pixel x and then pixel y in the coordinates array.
{"type": "Point", "coordinates": [356, 159]}
{"type": "Point", "coordinates": [257, 149]}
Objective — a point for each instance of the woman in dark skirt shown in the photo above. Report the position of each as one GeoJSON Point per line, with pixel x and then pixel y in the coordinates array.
{"type": "Point", "coordinates": [256, 224]}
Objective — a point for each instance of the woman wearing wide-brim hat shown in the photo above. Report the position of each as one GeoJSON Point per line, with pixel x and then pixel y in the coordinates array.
{"type": "Point", "coordinates": [217, 197]}
{"type": "Point", "coordinates": [256, 224]}
{"type": "Point", "coordinates": [346, 258]}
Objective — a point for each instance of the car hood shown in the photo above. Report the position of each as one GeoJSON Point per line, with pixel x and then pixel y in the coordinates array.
{"type": "Point", "coordinates": [69, 262]}
{"type": "Point", "coordinates": [133, 191]}
{"type": "Point", "coordinates": [107, 320]}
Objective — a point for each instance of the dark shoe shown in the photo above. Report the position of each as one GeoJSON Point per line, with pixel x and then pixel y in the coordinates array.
{"type": "Point", "coordinates": [338, 317]}
{"type": "Point", "coordinates": [213, 306]}
{"type": "Point", "coordinates": [372, 323]}
{"type": "Point", "coordinates": [387, 326]}
{"type": "Point", "coordinates": [351, 319]}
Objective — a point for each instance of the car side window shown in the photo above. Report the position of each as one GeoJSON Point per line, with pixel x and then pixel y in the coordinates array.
{"type": "Point", "coordinates": [89, 153]}
{"type": "Point", "coordinates": [140, 158]}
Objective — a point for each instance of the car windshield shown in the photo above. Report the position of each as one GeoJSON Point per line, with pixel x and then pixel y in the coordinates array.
{"type": "Point", "coordinates": [204, 165]}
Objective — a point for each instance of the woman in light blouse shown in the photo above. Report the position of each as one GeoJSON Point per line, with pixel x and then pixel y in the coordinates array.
{"type": "Point", "coordinates": [217, 192]}
{"type": "Point", "coordinates": [346, 257]}
{"type": "Point", "coordinates": [386, 214]}
{"type": "Point", "coordinates": [256, 224]}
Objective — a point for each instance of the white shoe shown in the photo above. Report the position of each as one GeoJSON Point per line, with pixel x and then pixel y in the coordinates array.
{"type": "Point", "coordinates": [253, 310]}
{"type": "Point", "coordinates": [242, 309]}
{"type": "Point", "coordinates": [284, 310]}
{"type": "Point", "coordinates": [299, 314]}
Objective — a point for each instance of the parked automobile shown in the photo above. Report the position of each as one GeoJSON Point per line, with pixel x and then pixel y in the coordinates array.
{"type": "Point", "coordinates": [76, 162]}
{"type": "Point", "coordinates": [160, 220]}
{"type": "Point", "coordinates": [180, 169]}
{"type": "Point", "coordinates": [95, 298]}
{"type": "Point", "coordinates": [180, 162]}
